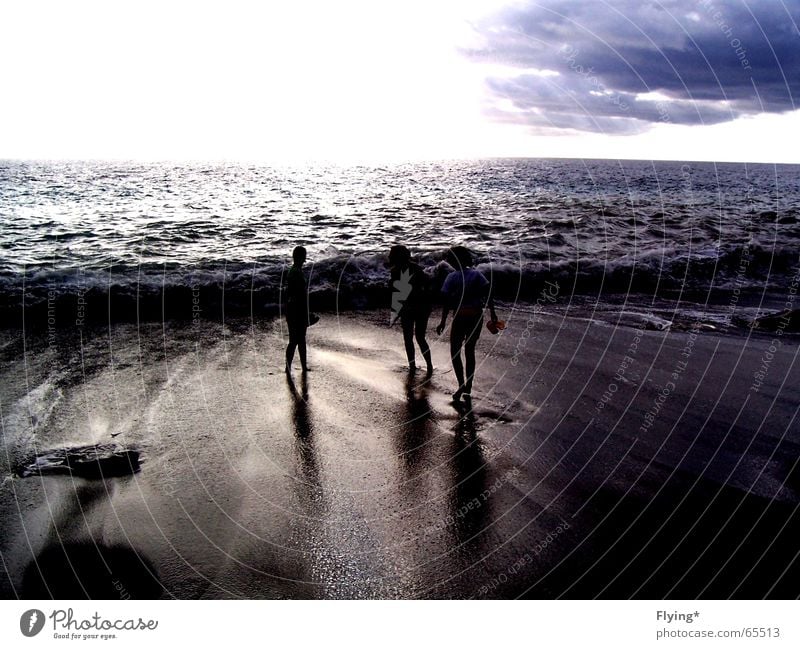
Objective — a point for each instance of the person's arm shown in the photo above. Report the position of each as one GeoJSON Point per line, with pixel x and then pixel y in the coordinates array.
{"type": "Point", "coordinates": [441, 325]}
{"type": "Point", "coordinates": [487, 287]}
{"type": "Point", "coordinates": [490, 304]}
{"type": "Point", "coordinates": [446, 290]}
{"type": "Point", "coordinates": [393, 309]}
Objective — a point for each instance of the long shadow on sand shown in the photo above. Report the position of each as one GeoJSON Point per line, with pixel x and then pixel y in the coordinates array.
{"type": "Point", "coordinates": [87, 570]}
{"type": "Point", "coordinates": [73, 564]}
{"type": "Point", "coordinates": [471, 509]}
{"type": "Point", "coordinates": [417, 426]}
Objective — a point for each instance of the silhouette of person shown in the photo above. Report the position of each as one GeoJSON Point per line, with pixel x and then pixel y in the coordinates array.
{"type": "Point", "coordinates": [297, 309]}
{"type": "Point", "coordinates": [466, 292]}
{"type": "Point", "coordinates": [411, 303]}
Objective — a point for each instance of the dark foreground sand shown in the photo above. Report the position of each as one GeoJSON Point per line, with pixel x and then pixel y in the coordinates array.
{"type": "Point", "coordinates": [363, 482]}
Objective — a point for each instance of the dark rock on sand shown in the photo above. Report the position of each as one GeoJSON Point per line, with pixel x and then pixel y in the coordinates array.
{"type": "Point", "coordinates": [94, 462]}
{"type": "Point", "coordinates": [787, 321]}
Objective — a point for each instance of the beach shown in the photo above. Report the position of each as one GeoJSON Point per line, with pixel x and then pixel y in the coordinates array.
{"type": "Point", "coordinates": [244, 253]}
{"type": "Point", "coordinates": [604, 455]}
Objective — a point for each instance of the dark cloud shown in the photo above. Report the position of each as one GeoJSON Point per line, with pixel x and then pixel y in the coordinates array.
{"type": "Point", "coordinates": [695, 62]}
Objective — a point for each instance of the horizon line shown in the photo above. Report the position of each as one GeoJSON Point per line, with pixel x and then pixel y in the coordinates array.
{"type": "Point", "coordinates": [355, 161]}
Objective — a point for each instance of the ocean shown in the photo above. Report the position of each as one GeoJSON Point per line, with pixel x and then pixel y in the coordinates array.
{"type": "Point", "coordinates": [122, 241]}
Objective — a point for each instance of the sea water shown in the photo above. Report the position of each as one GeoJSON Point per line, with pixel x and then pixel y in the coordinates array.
{"type": "Point", "coordinates": [128, 237]}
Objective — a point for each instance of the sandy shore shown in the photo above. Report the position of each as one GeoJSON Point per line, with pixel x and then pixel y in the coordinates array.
{"type": "Point", "coordinates": [598, 461]}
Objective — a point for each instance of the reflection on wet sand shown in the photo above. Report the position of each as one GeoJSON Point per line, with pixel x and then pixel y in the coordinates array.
{"type": "Point", "coordinates": [362, 481]}
{"type": "Point", "coordinates": [470, 511]}
{"type": "Point", "coordinates": [304, 437]}
{"type": "Point", "coordinates": [417, 424]}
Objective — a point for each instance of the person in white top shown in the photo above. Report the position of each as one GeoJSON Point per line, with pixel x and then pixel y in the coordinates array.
{"type": "Point", "coordinates": [466, 292]}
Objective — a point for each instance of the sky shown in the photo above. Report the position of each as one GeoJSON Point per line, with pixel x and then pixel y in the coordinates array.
{"type": "Point", "coordinates": [369, 80]}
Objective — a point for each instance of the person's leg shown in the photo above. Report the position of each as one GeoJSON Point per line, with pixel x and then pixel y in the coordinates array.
{"type": "Point", "coordinates": [290, 347]}
{"type": "Point", "coordinates": [301, 347]}
{"type": "Point", "coordinates": [456, 341]}
{"type": "Point", "coordinates": [407, 323]}
{"type": "Point", "coordinates": [469, 353]}
{"type": "Point", "coordinates": [289, 356]}
{"type": "Point", "coordinates": [420, 329]}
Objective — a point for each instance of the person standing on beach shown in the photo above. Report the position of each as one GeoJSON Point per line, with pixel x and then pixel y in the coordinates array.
{"type": "Point", "coordinates": [466, 292]}
{"type": "Point", "coordinates": [297, 317]}
{"type": "Point", "coordinates": [411, 303]}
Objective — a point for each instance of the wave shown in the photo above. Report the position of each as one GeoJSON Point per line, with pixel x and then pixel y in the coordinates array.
{"type": "Point", "coordinates": [217, 290]}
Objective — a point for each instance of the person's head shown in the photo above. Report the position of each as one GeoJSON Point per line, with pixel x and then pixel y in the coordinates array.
{"type": "Point", "coordinates": [459, 257]}
{"type": "Point", "coordinates": [299, 255]}
{"type": "Point", "coordinates": [399, 256]}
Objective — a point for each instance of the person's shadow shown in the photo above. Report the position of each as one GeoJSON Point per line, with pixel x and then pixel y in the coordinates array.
{"type": "Point", "coordinates": [303, 426]}
{"type": "Point", "coordinates": [471, 503]}
{"type": "Point", "coordinates": [415, 429]}
{"type": "Point", "coordinates": [303, 421]}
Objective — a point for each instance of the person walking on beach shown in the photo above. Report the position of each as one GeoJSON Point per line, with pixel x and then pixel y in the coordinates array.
{"type": "Point", "coordinates": [466, 292]}
{"type": "Point", "coordinates": [297, 316]}
{"type": "Point", "coordinates": [411, 303]}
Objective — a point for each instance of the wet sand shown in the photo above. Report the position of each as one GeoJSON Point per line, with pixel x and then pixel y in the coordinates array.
{"type": "Point", "coordinates": [597, 461]}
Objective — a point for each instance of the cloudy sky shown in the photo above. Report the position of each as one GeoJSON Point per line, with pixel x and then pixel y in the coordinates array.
{"type": "Point", "coordinates": [363, 79]}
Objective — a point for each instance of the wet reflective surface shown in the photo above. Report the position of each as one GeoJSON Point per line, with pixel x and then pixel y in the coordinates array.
{"type": "Point", "coordinates": [360, 480]}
